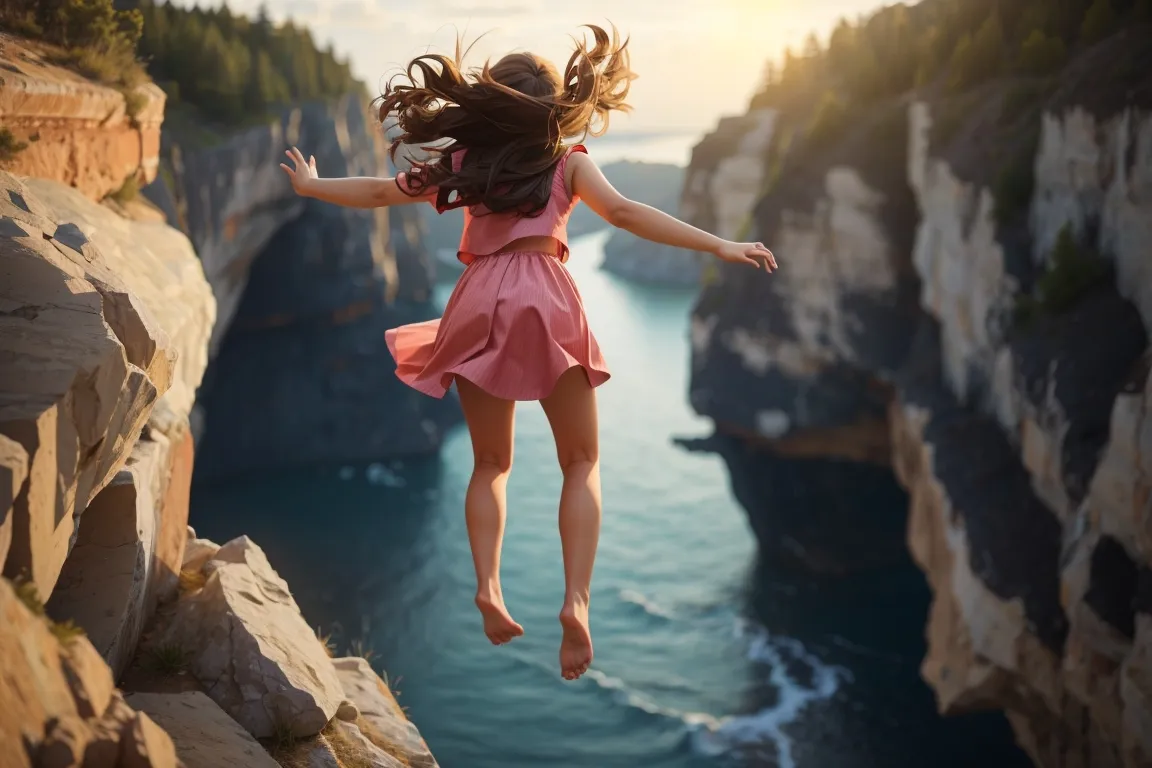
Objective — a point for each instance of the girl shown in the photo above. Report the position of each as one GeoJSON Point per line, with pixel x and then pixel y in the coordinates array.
{"type": "Point", "coordinates": [514, 327]}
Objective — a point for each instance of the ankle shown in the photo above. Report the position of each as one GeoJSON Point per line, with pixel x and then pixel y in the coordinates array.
{"type": "Point", "coordinates": [489, 592]}
{"type": "Point", "coordinates": [577, 599]}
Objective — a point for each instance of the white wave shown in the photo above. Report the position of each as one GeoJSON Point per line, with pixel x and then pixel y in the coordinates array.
{"type": "Point", "coordinates": [768, 724]}
{"type": "Point", "coordinates": [623, 695]}
{"type": "Point", "coordinates": [649, 607]}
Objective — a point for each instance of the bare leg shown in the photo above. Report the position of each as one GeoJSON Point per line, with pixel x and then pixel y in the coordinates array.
{"type": "Point", "coordinates": [571, 410]}
{"type": "Point", "coordinates": [490, 422]}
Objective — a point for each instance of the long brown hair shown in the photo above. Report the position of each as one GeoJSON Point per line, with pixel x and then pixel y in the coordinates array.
{"type": "Point", "coordinates": [512, 116]}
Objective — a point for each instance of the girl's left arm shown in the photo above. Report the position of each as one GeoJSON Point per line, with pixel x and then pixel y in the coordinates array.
{"type": "Point", "coordinates": [354, 192]}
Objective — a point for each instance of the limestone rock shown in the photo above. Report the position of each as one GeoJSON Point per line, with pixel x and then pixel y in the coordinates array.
{"type": "Point", "coordinates": [65, 745]}
{"type": "Point", "coordinates": [57, 700]}
{"type": "Point", "coordinates": [157, 266]}
{"type": "Point", "coordinates": [104, 315]}
{"type": "Point", "coordinates": [1093, 174]}
{"type": "Point", "coordinates": [197, 552]}
{"type": "Point", "coordinates": [382, 717]}
{"type": "Point", "coordinates": [252, 650]}
{"type": "Point", "coordinates": [204, 735]}
{"type": "Point", "coordinates": [13, 472]}
{"type": "Point", "coordinates": [145, 745]}
{"type": "Point", "coordinates": [71, 399]}
{"type": "Point", "coordinates": [347, 711]}
{"type": "Point", "coordinates": [86, 138]}
{"type": "Point", "coordinates": [124, 553]}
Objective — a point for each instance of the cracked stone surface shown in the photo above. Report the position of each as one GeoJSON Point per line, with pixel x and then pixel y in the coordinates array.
{"type": "Point", "coordinates": [379, 710]}
{"type": "Point", "coordinates": [204, 735]}
{"type": "Point", "coordinates": [251, 649]}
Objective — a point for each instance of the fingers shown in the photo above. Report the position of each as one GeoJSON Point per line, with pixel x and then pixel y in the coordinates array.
{"type": "Point", "coordinates": [771, 260]}
{"type": "Point", "coordinates": [288, 170]}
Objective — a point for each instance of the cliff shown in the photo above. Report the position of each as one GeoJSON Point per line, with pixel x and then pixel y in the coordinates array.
{"type": "Point", "coordinates": [964, 296]}
{"type": "Point", "coordinates": [89, 136]}
{"type": "Point", "coordinates": [300, 371]}
{"type": "Point", "coordinates": [126, 641]}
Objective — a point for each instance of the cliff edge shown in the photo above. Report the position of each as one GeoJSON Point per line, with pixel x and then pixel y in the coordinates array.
{"type": "Point", "coordinates": [109, 600]}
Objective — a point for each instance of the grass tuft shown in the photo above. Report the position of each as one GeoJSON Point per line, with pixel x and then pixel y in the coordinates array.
{"type": "Point", "coordinates": [128, 190]}
{"type": "Point", "coordinates": [169, 659]}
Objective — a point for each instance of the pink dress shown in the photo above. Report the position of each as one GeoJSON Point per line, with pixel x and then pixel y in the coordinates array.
{"type": "Point", "coordinates": [515, 321]}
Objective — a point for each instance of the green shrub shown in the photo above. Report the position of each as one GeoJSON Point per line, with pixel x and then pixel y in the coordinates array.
{"type": "Point", "coordinates": [1072, 273]}
{"type": "Point", "coordinates": [1099, 21]}
{"type": "Point", "coordinates": [1041, 55]}
{"type": "Point", "coordinates": [10, 146]}
{"type": "Point", "coordinates": [127, 192]}
{"type": "Point", "coordinates": [134, 103]}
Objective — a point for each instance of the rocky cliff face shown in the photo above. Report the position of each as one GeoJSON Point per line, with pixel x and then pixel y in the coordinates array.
{"type": "Point", "coordinates": [89, 136]}
{"type": "Point", "coordinates": [105, 326]}
{"type": "Point", "coordinates": [300, 370]}
{"type": "Point", "coordinates": [723, 179]}
{"type": "Point", "coordinates": [914, 322]}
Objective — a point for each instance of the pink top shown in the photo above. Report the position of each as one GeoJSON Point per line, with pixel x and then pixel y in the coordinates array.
{"type": "Point", "coordinates": [486, 233]}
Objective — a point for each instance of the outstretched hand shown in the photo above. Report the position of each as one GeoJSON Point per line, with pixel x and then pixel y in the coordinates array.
{"type": "Point", "coordinates": [747, 253]}
{"type": "Point", "coordinates": [302, 173]}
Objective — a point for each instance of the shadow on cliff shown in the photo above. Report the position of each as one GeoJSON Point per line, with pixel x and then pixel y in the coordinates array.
{"type": "Point", "coordinates": [301, 373]}
{"type": "Point", "coordinates": [833, 569]}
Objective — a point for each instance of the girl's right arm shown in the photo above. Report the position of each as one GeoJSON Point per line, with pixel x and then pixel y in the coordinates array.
{"type": "Point", "coordinates": [352, 192]}
{"type": "Point", "coordinates": [644, 221]}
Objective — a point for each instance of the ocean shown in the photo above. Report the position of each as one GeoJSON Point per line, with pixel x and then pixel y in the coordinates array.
{"type": "Point", "coordinates": [692, 669]}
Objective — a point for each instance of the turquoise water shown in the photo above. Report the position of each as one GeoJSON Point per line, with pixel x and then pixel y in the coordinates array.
{"type": "Point", "coordinates": [684, 676]}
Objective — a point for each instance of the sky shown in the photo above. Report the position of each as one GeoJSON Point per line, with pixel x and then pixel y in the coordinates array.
{"type": "Point", "coordinates": [697, 60]}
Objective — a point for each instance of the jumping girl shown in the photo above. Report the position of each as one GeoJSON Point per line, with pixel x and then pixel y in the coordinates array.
{"type": "Point", "coordinates": [514, 327]}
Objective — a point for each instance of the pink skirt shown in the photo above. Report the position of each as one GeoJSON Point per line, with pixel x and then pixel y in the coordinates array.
{"type": "Point", "coordinates": [514, 324]}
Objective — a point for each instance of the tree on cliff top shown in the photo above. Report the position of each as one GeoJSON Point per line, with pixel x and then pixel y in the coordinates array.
{"type": "Point", "coordinates": [92, 36]}
{"type": "Point", "coordinates": [233, 69]}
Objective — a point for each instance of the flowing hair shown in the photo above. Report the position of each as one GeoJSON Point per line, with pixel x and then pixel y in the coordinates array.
{"type": "Point", "coordinates": [512, 117]}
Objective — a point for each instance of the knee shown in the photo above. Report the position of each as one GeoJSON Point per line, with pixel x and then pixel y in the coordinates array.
{"type": "Point", "coordinates": [493, 462]}
{"type": "Point", "coordinates": [579, 459]}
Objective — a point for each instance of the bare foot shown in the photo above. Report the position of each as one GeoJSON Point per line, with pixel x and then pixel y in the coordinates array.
{"type": "Point", "coordinates": [498, 623]}
{"type": "Point", "coordinates": [576, 647]}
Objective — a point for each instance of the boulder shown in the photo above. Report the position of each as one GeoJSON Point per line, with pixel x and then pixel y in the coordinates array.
{"type": "Point", "coordinates": [204, 735]}
{"type": "Point", "coordinates": [197, 552]}
{"type": "Point", "coordinates": [58, 705]}
{"type": "Point", "coordinates": [13, 472]}
{"type": "Point", "coordinates": [380, 715]}
{"type": "Point", "coordinates": [251, 649]}
{"type": "Point", "coordinates": [144, 744]}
